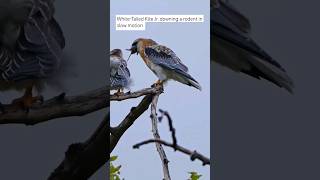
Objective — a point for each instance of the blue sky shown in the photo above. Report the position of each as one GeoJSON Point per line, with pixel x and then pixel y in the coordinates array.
{"type": "Point", "coordinates": [189, 108]}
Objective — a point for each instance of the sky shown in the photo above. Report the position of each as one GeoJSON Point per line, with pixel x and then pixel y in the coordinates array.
{"type": "Point", "coordinates": [189, 108]}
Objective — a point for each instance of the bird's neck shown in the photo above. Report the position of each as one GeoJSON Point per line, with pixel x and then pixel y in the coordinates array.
{"type": "Point", "coordinates": [143, 45]}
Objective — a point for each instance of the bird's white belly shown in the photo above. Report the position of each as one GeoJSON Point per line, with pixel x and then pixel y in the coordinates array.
{"type": "Point", "coordinates": [165, 74]}
{"type": "Point", "coordinates": [159, 71]}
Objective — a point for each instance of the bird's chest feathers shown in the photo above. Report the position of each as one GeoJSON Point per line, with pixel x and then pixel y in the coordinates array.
{"type": "Point", "coordinates": [157, 70]}
{"type": "Point", "coordinates": [114, 63]}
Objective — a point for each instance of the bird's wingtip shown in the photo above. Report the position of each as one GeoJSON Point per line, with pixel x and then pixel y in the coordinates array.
{"type": "Point", "coordinates": [195, 85]}
{"type": "Point", "coordinates": [199, 88]}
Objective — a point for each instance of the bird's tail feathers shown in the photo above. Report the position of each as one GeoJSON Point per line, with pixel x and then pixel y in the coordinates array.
{"type": "Point", "coordinates": [273, 74]}
{"type": "Point", "coordinates": [194, 83]}
{"type": "Point", "coordinates": [130, 83]}
{"type": "Point", "coordinates": [187, 79]}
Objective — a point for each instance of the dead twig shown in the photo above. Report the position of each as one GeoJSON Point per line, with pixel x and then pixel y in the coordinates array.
{"type": "Point", "coordinates": [193, 154]}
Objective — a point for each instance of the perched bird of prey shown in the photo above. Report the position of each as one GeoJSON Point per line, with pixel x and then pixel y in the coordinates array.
{"type": "Point", "coordinates": [163, 62]}
{"type": "Point", "coordinates": [119, 72]}
{"type": "Point", "coordinates": [31, 43]}
{"type": "Point", "coordinates": [233, 47]}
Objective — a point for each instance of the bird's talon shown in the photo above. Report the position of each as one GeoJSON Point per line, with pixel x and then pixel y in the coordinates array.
{"type": "Point", "coordinates": [119, 94]}
{"type": "Point", "coordinates": [156, 85]}
{"type": "Point", "coordinates": [26, 102]}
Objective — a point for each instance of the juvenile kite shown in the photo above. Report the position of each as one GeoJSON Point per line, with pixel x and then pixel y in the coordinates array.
{"type": "Point", "coordinates": [119, 72]}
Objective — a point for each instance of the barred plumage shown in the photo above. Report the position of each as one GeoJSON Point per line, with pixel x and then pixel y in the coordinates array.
{"type": "Point", "coordinates": [31, 44]}
{"type": "Point", "coordinates": [36, 51]}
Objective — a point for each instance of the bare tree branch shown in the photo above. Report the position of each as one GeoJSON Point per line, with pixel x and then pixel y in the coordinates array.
{"type": "Point", "coordinates": [82, 160]}
{"type": "Point", "coordinates": [57, 107]}
{"type": "Point", "coordinates": [135, 113]}
{"type": "Point", "coordinates": [193, 154]}
{"type": "Point", "coordinates": [171, 128]}
{"type": "Point", "coordinates": [143, 92]}
{"type": "Point", "coordinates": [151, 98]}
{"type": "Point", "coordinates": [156, 135]}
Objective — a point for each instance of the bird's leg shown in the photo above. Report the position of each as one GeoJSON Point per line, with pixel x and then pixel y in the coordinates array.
{"type": "Point", "coordinates": [27, 100]}
{"type": "Point", "coordinates": [158, 83]}
{"type": "Point", "coordinates": [119, 92]}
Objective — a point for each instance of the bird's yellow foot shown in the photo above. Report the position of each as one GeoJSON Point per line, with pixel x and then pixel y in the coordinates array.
{"type": "Point", "coordinates": [119, 93]}
{"type": "Point", "coordinates": [26, 101]}
{"type": "Point", "coordinates": [157, 83]}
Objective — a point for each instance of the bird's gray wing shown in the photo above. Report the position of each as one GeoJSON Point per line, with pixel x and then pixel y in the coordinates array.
{"type": "Point", "coordinates": [232, 14]}
{"type": "Point", "coordinates": [117, 81]}
{"type": "Point", "coordinates": [38, 48]}
{"type": "Point", "coordinates": [123, 70]}
{"type": "Point", "coordinates": [121, 78]}
{"type": "Point", "coordinates": [233, 47]}
{"type": "Point", "coordinates": [165, 57]}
